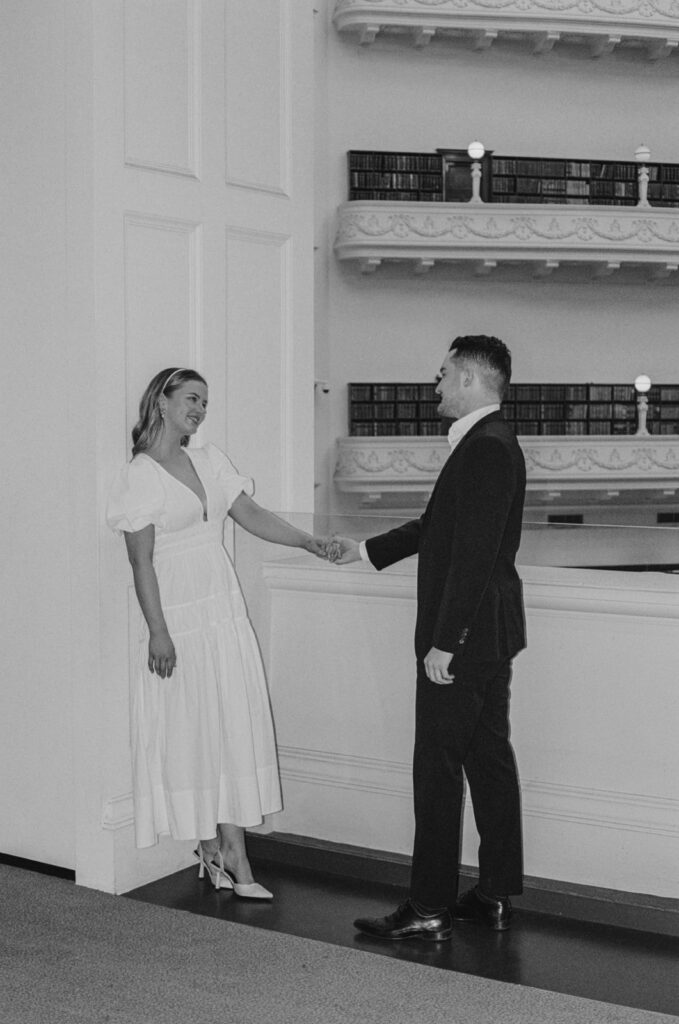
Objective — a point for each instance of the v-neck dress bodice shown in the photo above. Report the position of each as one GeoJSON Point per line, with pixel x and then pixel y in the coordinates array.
{"type": "Point", "coordinates": [203, 745]}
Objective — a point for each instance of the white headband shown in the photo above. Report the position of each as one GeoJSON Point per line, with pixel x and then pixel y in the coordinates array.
{"type": "Point", "coordinates": [173, 374]}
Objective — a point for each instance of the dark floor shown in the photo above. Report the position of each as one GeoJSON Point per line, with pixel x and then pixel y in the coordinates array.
{"type": "Point", "coordinates": [615, 965]}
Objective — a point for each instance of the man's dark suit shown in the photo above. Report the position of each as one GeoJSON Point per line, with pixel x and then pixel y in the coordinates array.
{"type": "Point", "coordinates": [469, 602]}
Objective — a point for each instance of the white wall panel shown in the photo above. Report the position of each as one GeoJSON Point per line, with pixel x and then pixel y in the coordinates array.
{"type": "Point", "coordinates": [162, 85]}
{"type": "Point", "coordinates": [258, 360]}
{"type": "Point", "coordinates": [162, 300]}
{"type": "Point", "coordinates": [110, 110]}
{"type": "Point", "coordinates": [594, 716]}
{"type": "Point", "coordinates": [257, 93]}
{"type": "Point", "coordinates": [45, 408]}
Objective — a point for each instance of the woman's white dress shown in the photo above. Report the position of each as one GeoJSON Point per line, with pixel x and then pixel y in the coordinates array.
{"type": "Point", "coordinates": [203, 747]}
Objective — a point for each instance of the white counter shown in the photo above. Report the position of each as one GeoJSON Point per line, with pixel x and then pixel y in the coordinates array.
{"type": "Point", "coordinates": [595, 714]}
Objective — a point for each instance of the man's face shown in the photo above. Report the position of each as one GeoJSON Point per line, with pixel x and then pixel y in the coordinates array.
{"type": "Point", "coordinates": [451, 388]}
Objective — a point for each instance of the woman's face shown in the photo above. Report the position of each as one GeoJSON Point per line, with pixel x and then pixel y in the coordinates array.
{"type": "Point", "coordinates": [186, 407]}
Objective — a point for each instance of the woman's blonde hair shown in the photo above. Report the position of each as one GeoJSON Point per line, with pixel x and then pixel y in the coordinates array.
{"type": "Point", "coordinates": [150, 423]}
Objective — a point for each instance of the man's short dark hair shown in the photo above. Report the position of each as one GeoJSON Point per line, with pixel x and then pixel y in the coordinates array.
{"type": "Point", "coordinates": [489, 353]}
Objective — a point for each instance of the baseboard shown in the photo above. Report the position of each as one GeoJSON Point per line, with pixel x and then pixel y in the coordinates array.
{"type": "Point", "coordinates": [36, 865]}
{"type": "Point", "coordinates": [541, 895]}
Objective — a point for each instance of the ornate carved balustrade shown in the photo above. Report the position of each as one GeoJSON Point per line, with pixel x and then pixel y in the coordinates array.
{"type": "Point", "coordinates": [622, 470]}
{"type": "Point", "coordinates": [484, 235]}
{"type": "Point", "coordinates": [603, 24]}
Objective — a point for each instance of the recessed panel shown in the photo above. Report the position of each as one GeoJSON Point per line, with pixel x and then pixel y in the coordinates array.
{"type": "Point", "coordinates": [162, 87]}
{"type": "Point", "coordinates": [257, 360]}
{"type": "Point", "coordinates": [161, 300]}
{"type": "Point", "coordinates": [257, 106]}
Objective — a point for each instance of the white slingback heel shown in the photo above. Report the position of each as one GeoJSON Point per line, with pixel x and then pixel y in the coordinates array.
{"type": "Point", "coordinates": [218, 876]}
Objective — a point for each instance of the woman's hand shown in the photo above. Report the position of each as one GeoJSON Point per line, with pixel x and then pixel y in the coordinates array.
{"type": "Point", "coordinates": [162, 655]}
{"type": "Point", "coordinates": [316, 546]}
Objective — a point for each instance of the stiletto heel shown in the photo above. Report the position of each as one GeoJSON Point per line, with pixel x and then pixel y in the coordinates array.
{"type": "Point", "coordinates": [247, 890]}
{"type": "Point", "coordinates": [217, 875]}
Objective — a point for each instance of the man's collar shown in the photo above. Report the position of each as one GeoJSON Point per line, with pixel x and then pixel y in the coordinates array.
{"type": "Point", "coordinates": [462, 426]}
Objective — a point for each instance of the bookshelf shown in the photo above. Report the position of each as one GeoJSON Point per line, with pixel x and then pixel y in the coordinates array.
{"type": "Point", "coordinates": [444, 176]}
{"type": "Point", "coordinates": [393, 410]}
{"type": "Point", "coordinates": [534, 410]}
{"type": "Point", "coordinates": [401, 177]}
{"type": "Point", "coordinates": [579, 182]}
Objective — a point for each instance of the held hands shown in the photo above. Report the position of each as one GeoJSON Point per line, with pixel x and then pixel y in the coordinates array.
{"type": "Point", "coordinates": [340, 550]}
{"type": "Point", "coordinates": [162, 655]}
{"type": "Point", "coordinates": [316, 546]}
{"type": "Point", "coordinates": [437, 665]}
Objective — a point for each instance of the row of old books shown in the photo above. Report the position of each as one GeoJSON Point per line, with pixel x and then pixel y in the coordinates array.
{"type": "Point", "coordinates": [411, 409]}
{"type": "Point", "coordinates": [446, 176]}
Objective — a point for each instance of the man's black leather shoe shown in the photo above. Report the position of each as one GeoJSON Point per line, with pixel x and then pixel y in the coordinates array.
{"type": "Point", "coordinates": [495, 913]}
{"type": "Point", "coordinates": [408, 922]}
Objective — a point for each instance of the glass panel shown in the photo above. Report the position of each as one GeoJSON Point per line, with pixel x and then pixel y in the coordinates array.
{"type": "Point", "coordinates": [592, 546]}
{"type": "Point", "coordinates": [566, 544]}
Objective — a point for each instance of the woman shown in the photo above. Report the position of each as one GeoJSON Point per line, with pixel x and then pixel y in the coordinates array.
{"type": "Point", "coordinates": [204, 756]}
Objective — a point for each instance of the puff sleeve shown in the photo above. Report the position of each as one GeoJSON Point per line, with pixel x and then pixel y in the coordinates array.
{"type": "Point", "coordinates": [136, 498]}
{"type": "Point", "coordinates": [228, 477]}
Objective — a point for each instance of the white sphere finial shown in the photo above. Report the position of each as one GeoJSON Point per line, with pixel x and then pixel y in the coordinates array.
{"type": "Point", "coordinates": [476, 150]}
{"type": "Point", "coordinates": [642, 383]}
{"type": "Point", "coordinates": [642, 154]}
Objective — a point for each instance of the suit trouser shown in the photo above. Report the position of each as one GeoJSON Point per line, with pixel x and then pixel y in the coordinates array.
{"type": "Point", "coordinates": [464, 727]}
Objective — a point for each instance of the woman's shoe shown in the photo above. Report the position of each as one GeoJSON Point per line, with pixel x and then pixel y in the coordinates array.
{"type": "Point", "coordinates": [250, 890]}
{"type": "Point", "coordinates": [219, 878]}
{"type": "Point", "coordinates": [247, 890]}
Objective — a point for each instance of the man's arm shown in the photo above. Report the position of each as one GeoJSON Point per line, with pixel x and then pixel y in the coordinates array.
{"type": "Point", "coordinates": [383, 550]}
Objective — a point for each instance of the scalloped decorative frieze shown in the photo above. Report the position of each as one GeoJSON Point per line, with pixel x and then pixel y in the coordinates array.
{"type": "Point", "coordinates": [542, 234]}
{"type": "Point", "coordinates": [621, 459]}
{"type": "Point", "coordinates": [391, 461]}
{"type": "Point", "coordinates": [374, 466]}
{"type": "Point", "coordinates": [603, 23]}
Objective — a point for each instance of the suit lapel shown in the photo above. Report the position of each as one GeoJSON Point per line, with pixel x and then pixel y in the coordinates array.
{"type": "Point", "coordinates": [450, 462]}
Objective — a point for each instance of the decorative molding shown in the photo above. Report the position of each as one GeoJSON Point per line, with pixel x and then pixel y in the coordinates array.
{"type": "Point", "coordinates": [283, 186]}
{"type": "Point", "coordinates": [191, 168]}
{"type": "Point", "coordinates": [137, 344]}
{"type": "Point", "coordinates": [559, 589]}
{"type": "Point", "coordinates": [281, 244]}
{"type": "Point", "coordinates": [306, 574]}
{"type": "Point", "coordinates": [547, 588]}
{"type": "Point", "coordinates": [620, 467]}
{"type": "Point", "coordinates": [608, 809]}
{"type": "Point", "coordinates": [367, 774]}
{"type": "Point", "coordinates": [610, 459]}
{"type": "Point", "coordinates": [542, 235]}
{"type": "Point", "coordinates": [604, 24]}
{"type": "Point", "coordinates": [118, 812]}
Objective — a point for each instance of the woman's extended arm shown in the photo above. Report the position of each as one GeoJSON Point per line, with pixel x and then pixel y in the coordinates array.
{"type": "Point", "coordinates": [162, 656]}
{"type": "Point", "coordinates": [267, 526]}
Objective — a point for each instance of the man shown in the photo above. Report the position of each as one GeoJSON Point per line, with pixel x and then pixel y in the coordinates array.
{"type": "Point", "coordinates": [470, 624]}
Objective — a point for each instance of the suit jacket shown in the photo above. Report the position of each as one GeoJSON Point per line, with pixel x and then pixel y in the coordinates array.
{"type": "Point", "coordinates": [469, 595]}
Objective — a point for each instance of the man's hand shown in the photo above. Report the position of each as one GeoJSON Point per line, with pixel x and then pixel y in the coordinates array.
{"type": "Point", "coordinates": [342, 550]}
{"type": "Point", "coordinates": [437, 665]}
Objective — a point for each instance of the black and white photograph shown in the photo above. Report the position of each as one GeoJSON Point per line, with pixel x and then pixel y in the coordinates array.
{"type": "Point", "coordinates": [339, 567]}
